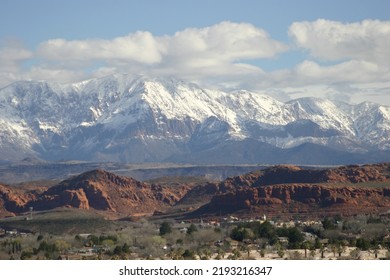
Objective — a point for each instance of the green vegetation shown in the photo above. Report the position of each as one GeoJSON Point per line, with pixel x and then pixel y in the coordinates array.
{"type": "Point", "coordinates": [267, 231]}
{"type": "Point", "coordinates": [165, 228]}
{"type": "Point", "coordinates": [330, 238]}
{"type": "Point", "coordinates": [60, 221]}
{"type": "Point", "coordinates": [192, 228]}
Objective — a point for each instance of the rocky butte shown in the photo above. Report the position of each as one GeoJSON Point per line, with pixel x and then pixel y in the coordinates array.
{"type": "Point", "coordinates": [290, 190]}
{"type": "Point", "coordinates": [112, 195]}
{"type": "Point", "coordinates": [282, 190]}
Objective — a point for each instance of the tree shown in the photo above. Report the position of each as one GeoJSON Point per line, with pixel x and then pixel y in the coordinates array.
{"type": "Point", "coordinates": [239, 234]}
{"type": "Point", "coordinates": [355, 254]}
{"type": "Point", "coordinates": [280, 252]}
{"type": "Point", "coordinates": [323, 249]}
{"type": "Point", "coordinates": [245, 248]}
{"type": "Point", "coordinates": [305, 246]}
{"type": "Point", "coordinates": [262, 253]}
{"type": "Point", "coordinates": [108, 243]}
{"type": "Point", "coordinates": [61, 245]}
{"type": "Point", "coordinates": [118, 250]}
{"type": "Point", "coordinates": [165, 228]}
{"type": "Point", "coordinates": [188, 255]}
{"type": "Point", "coordinates": [179, 241]}
{"type": "Point", "coordinates": [295, 235]}
{"type": "Point", "coordinates": [236, 254]}
{"type": "Point", "coordinates": [93, 240]}
{"type": "Point", "coordinates": [340, 249]}
{"type": "Point", "coordinates": [157, 241]}
{"type": "Point", "coordinates": [26, 255]}
{"type": "Point", "coordinates": [266, 230]}
{"type": "Point", "coordinates": [328, 224]}
{"type": "Point", "coordinates": [363, 244]}
{"type": "Point", "coordinates": [192, 228]}
{"type": "Point", "coordinates": [376, 248]}
{"type": "Point", "coordinates": [125, 248]}
{"type": "Point", "coordinates": [333, 247]}
{"type": "Point", "coordinates": [177, 254]}
{"type": "Point", "coordinates": [206, 254]}
{"type": "Point", "coordinates": [220, 254]}
{"type": "Point", "coordinates": [376, 251]}
{"type": "Point", "coordinates": [312, 252]}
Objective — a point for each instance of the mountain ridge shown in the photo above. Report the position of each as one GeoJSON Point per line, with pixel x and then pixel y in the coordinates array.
{"type": "Point", "coordinates": [138, 119]}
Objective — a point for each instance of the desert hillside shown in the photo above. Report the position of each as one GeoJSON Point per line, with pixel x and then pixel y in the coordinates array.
{"type": "Point", "coordinates": [277, 190]}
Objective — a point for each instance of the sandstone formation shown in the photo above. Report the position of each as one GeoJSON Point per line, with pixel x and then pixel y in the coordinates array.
{"type": "Point", "coordinates": [286, 174]}
{"type": "Point", "coordinates": [97, 190]}
{"type": "Point", "coordinates": [278, 190]}
{"type": "Point", "coordinates": [287, 190]}
{"type": "Point", "coordinates": [102, 190]}
{"type": "Point", "coordinates": [12, 201]}
{"type": "Point", "coordinates": [296, 198]}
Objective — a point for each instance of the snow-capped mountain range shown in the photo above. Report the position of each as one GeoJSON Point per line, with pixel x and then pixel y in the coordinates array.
{"type": "Point", "coordinates": [131, 118]}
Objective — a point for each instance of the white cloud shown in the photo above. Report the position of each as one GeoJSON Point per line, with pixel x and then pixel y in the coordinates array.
{"type": "Point", "coordinates": [331, 40]}
{"type": "Point", "coordinates": [216, 53]}
{"type": "Point", "coordinates": [216, 47]}
{"type": "Point", "coordinates": [225, 41]}
{"type": "Point", "coordinates": [139, 47]}
{"type": "Point", "coordinates": [12, 56]}
{"type": "Point", "coordinates": [353, 71]}
{"type": "Point", "coordinates": [59, 75]}
{"type": "Point", "coordinates": [341, 81]}
{"type": "Point", "coordinates": [341, 57]}
{"type": "Point", "coordinates": [350, 93]}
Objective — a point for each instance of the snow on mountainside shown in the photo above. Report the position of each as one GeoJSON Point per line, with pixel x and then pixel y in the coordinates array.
{"type": "Point", "coordinates": [138, 119]}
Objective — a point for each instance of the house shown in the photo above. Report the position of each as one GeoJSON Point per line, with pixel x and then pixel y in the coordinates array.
{"type": "Point", "coordinates": [183, 230]}
{"type": "Point", "coordinates": [283, 240]}
{"type": "Point", "coordinates": [309, 236]}
{"type": "Point", "coordinates": [324, 242]}
{"type": "Point", "coordinates": [84, 235]}
{"type": "Point", "coordinates": [11, 232]}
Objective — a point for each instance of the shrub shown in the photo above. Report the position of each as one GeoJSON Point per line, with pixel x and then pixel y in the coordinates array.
{"type": "Point", "coordinates": [165, 228]}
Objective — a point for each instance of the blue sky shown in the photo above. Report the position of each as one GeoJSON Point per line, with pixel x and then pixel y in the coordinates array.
{"type": "Point", "coordinates": [288, 49]}
{"type": "Point", "coordinates": [38, 20]}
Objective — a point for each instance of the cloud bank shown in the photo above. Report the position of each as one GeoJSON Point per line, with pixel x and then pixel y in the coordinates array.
{"type": "Point", "coordinates": [344, 55]}
{"type": "Point", "coordinates": [194, 52]}
{"type": "Point", "coordinates": [330, 40]}
{"type": "Point", "coordinates": [340, 59]}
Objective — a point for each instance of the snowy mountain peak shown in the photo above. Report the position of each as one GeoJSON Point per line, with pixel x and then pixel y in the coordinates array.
{"type": "Point", "coordinates": [137, 118]}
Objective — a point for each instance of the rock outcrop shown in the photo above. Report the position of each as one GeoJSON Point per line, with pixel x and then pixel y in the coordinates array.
{"type": "Point", "coordinates": [288, 174]}
{"type": "Point", "coordinates": [105, 191]}
{"type": "Point", "coordinates": [278, 190]}
{"type": "Point", "coordinates": [95, 190]}
{"type": "Point", "coordinates": [290, 189]}
{"type": "Point", "coordinates": [353, 199]}
{"type": "Point", "coordinates": [12, 201]}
